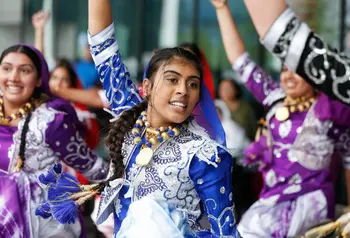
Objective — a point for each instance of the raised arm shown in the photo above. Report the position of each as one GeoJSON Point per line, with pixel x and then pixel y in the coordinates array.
{"type": "Point", "coordinates": [39, 19]}
{"type": "Point", "coordinates": [100, 15]}
{"type": "Point", "coordinates": [303, 51]}
{"type": "Point", "coordinates": [231, 38]}
{"type": "Point", "coordinates": [262, 86]}
{"type": "Point", "coordinates": [120, 90]}
{"type": "Point", "coordinates": [264, 13]}
{"type": "Point", "coordinates": [90, 97]}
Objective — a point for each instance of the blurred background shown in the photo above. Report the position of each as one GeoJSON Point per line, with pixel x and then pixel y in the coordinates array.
{"type": "Point", "coordinates": [145, 25]}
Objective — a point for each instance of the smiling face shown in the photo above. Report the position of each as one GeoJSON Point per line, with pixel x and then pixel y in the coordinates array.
{"type": "Point", "coordinates": [18, 78]}
{"type": "Point", "coordinates": [294, 85]}
{"type": "Point", "coordinates": [173, 92]}
{"type": "Point", "coordinates": [60, 76]}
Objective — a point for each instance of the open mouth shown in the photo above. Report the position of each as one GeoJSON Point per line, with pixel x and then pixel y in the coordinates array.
{"type": "Point", "coordinates": [290, 84]}
{"type": "Point", "coordinates": [178, 105]}
{"type": "Point", "coordinates": [13, 89]}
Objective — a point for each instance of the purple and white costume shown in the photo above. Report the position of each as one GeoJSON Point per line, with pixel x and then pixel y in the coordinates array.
{"type": "Point", "coordinates": [297, 167]}
{"type": "Point", "coordinates": [54, 134]}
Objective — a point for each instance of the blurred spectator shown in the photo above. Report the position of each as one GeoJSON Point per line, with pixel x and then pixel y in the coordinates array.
{"type": "Point", "coordinates": [241, 111]}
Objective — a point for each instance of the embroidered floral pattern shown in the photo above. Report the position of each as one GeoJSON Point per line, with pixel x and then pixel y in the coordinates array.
{"type": "Point", "coordinates": [151, 183]}
{"type": "Point", "coordinates": [168, 154]}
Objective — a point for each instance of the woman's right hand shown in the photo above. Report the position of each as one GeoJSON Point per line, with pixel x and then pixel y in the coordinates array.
{"type": "Point", "coordinates": [40, 18]}
{"type": "Point", "coordinates": [218, 3]}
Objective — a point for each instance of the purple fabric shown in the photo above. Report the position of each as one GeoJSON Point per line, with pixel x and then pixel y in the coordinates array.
{"type": "Point", "coordinates": [330, 109]}
{"type": "Point", "coordinates": [283, 176]}
{"type": "Point", "coordinates": [6, 140]}
{"type": "Point", "coordinates": [13, 220]}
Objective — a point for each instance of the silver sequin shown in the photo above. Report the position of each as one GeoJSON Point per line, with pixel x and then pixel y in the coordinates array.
{"type": "Point", "coordinates": [222, 190]}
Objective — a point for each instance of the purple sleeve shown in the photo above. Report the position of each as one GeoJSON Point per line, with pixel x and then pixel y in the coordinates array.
{"type": "Point", "coordinates": [260, 84]}
{"type": "Point", "coordinates": [328, 109]}
{"type": "Point", "coordinates": [66, 141]}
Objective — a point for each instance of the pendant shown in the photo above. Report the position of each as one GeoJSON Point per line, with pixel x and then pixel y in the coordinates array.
{"type": "Point", "coordinates": [282, 113]}
{"type": "Point", "coordinates": [144, 157]}
{"type": "Point", "coordinates": [4, 122]}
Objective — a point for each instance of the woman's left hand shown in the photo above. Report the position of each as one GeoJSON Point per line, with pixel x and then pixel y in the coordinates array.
{"type": "Point", "coordinates": [39, 19]}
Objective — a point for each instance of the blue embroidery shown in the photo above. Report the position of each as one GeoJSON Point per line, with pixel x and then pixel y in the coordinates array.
{"type": "Point", "coordinates": [168, 154]}
{"type": "Point", "coordinates": [97, 49]}
{"type": "Point", "coordinates": [152, 183]}
{"type": "Point", "coordinates": [120, 90]}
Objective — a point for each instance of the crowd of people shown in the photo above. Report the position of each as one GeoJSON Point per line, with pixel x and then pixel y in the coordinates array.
{"type": "Point", "coordinates": [183, 159]}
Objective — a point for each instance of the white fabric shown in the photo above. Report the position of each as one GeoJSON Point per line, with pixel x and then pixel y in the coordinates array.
{"type": "Point", "coordinates": [107, 227]}
{"type": "Point", "coordinates": [264, 218]}
{"type": "Point", "coordinates": [103, 98]}
{"type": "Point", "coordinates": [235, 135]}
{"type": "Point", "coordinates": [146, 216]}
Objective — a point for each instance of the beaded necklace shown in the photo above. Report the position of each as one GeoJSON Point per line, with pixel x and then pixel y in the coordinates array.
{"type": "Point", "coordinates": [293, 105]}
{"type": "Point", "coordinates": [28, 107]}
{"type": "Point", "coordinates": [152, 137]}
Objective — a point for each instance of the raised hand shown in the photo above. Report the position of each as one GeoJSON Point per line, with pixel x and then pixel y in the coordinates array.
{"type": "Point", "coordinates": [218, 3]}
{"type": "Point", "coordinates": [40, 18]}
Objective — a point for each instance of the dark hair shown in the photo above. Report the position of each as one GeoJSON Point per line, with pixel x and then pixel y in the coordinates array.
{"type": "Point", "coordinates": [33, 57]}
{"type": "Point", "coordinates": [64, 63]}
{"type": "Point", "coordinates": [234, 84]}
{"type": "Point", "coordinates": [127, 119]}
{"type": "Point", "coordinates": [25, 50]}
{"type": "Point", "coordinates": [193, 47]}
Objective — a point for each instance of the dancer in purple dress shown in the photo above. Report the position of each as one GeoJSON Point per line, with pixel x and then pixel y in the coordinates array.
{"type": "Point", "coordinates": [36, 131]}
{"type": "Point", "coordinates": [306, 130]}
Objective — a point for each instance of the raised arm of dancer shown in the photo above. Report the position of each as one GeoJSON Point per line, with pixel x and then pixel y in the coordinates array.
{"type": "Point", "coordinates": [39, 19]}
{"type": "Point", "coordinates": [100, 15]}
{"type": "Point", "coordinates": [90, 97]}
{"type": "Point", "coordinates": [264, 13]}
{"type": "Point", "coordinates": [121, 92]}
{"type": "Point", "coordinates": [255, 79]}
{"type": "Point", "coordinates": [231, 38]}
{"type": "Point", "coordinates": [303, 51]}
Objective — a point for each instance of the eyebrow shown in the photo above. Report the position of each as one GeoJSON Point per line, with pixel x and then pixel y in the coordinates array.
{"type": "Point", "coordinates": [21, 65]}
{"type": "Point", "coordinates": [177, 73]}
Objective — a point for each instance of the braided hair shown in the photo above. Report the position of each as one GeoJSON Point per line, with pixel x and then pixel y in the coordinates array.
{"type": "Point", "coordinates": [36, 94]}
{"type": "Point", "coordinates": [127, 119]}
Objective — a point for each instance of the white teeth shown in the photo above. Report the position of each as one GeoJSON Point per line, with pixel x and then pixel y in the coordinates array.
{"type": "Point", "coordinates": [290, 84]}
{"type": "Point", "coordinates": [14, 89]}
{"type": "Point", "coordinates": [178, 104]}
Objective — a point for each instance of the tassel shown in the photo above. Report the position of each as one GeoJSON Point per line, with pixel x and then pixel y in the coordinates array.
{"type": "Point", "coordinates": [66, 185]}
{"type": "Point", "coordinates": [324, 230]}
{"type": "Point", "coordinates": [57, 168]}
{"type": "Point", "coordinates": [82, 200]}
{"type": "Point", "coordinates": [44, 210]}
{"type": "Point", "coordinates": [65, 212]}
{"type": "Point", "coordinates": [51, 176]}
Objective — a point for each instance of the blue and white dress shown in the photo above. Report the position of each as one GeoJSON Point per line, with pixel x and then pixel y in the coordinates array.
{"type": "Point", "coordinates": [188, 177]}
